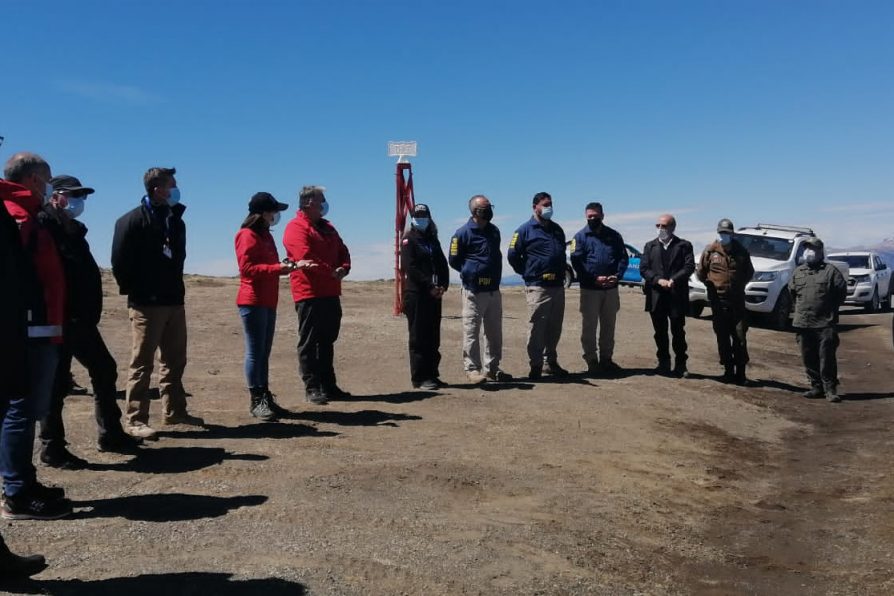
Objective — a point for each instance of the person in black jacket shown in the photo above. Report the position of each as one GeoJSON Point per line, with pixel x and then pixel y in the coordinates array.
{"type": "Point", "coordinates": [82, 338]}
{"type": "Point", "coordinates": [148, 252]}
{"type": "Point", "coordinates": [14, 269]}
{"type": "Point", "coordinates": [425, 274]}
{"type": "Point", "coordinates": [666, 265]}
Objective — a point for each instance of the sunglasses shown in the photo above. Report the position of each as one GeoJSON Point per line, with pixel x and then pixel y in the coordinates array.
{"type": "Point", "coordinates": [662, 226]}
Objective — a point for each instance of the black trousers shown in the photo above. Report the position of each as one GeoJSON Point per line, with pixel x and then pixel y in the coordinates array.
{"type": "Point", "coordinates": [818, 350]}
{"type": "Point", "coordinates": [730, 327]}
{"type": "Point", "coordinates": [319, 321]}
{"type": "Point", "coordinates": [424, 324]}
{"type": "Point", "coordinates": [85, 343]}
{"type": "Point", "coordinates": [662, 314]}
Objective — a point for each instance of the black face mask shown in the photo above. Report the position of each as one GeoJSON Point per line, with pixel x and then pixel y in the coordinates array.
{"type": "Point", "coordinates": [485, 213]}
{"type": "Point", "coordinates": [594, 224]}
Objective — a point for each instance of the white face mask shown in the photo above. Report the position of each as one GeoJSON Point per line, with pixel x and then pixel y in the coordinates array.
{"type": "Point", "coordinates": [810, 256]}
{"type": "Point", "coordinates": [276, 217]}
{"type": "Point", "coordinates": [664, 234]}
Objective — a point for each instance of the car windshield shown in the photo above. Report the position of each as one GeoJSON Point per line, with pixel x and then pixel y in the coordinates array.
{"type": "Point", "coordinates": [853, 261]}
{"type": "Point", "coordinates": [768, 247]}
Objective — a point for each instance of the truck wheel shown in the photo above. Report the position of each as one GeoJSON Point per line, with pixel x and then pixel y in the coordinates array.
{"type": "Point", "coordinates": [886, 303]}
{"type": "Point", "coordinates": [780, 317]}
{"type": "Point", "coordinates": [874, 304]}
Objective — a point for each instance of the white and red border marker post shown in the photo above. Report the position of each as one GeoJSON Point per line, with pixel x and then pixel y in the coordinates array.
{"type": "Point", "coordinates": [404, 202]}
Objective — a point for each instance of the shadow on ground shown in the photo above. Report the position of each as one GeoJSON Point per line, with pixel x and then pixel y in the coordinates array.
{"type": "Point", "coordinates": [163, 507]}
{"type": "Point", "coordinates": [173, 584]}
{"type": "Point", "coordinates": [361, 418]}
{"type": "Point", "coordinates": [393, 398]}
{"type": "Point", "coordinates": [176, 460]}
{"type": "Point", "coordinates": [261, 430]}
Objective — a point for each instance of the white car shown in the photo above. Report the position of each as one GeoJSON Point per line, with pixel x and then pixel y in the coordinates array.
{"type": "Point", "coordinates": [775, 253]}
{"type": "Point", "coordinates": [869, 282]}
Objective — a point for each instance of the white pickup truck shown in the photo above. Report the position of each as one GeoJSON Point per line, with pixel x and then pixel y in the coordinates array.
{"type": "Point", "coordinates": [869, 282]}
{"type": "Point", "coordinates": [775, 253]}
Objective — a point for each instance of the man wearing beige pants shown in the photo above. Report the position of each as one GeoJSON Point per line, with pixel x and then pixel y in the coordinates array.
{"type": "Point", "coordinates": [148, 251]}
{"type": "Point", "coordinates": [599, 258]}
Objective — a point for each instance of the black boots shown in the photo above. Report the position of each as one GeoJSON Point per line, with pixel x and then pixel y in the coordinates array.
{"type": "Point", "coordinates": [260, 407]}
{"type": "Point", "coordinates": [16, 566]}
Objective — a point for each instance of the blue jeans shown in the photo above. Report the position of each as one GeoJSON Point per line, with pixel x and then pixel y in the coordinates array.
{"type": "Point", "coordinates": [259, 323]}
{"type": "Point", "coordinates": [17, 438]}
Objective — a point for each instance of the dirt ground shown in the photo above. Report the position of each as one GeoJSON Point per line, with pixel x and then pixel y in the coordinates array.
{"type": "Point", "coordinates": [638, 485]}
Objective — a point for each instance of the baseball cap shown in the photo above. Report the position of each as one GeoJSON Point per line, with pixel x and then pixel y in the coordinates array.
{"type": "Point", "coordinates": [263, 202]}
{"type": "Point", "coordinates": [814, 242]}
{"type": "Point", "coordinates": [725, 225]}
{"type": "Point", "coordinates": [70, 184]}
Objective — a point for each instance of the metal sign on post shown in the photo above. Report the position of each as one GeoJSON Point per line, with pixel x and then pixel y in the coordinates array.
{"type": "Point", "coordinates": [404, 203]}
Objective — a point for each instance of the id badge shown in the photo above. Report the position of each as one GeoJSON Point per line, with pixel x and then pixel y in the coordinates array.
{"type": "Point", "coordinates": [166, 251]}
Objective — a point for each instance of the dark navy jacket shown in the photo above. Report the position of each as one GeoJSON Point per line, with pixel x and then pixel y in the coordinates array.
{"type": "Point", "coordinates": [475, 253]}
{"type": "Point", "coordinates": [597, 253]}
{"type": "Point", "coordinates": [537, 253]}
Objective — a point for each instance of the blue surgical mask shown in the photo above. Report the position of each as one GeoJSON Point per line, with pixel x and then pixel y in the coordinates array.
{"type": "Point", "coordinates": [276, 218]}
{"type": "Point", "coordinates": [75, 206]}
{"type": "Point", "coordinates": [324, 208]}
{"type": "Point", "coordinates": [546, 213]}
{"type": "Point", "coordinates": [420, 223]}
{"type": "Point", "coordinates": [174, 198]}
{"type": "Point", "coordinates": [724, 239]}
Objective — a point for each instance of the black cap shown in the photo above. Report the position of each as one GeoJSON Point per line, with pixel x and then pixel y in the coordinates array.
{"type": "Point", "coordinates": [725, 225]}
{"type": "Point", "coordinates": [263, 202]}
{"type": "Point", "coordinates": [421, 210]}
{"type": "Point", "coordinates": [70, 184]}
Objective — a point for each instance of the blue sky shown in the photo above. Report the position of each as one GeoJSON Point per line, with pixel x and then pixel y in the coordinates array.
{"type": "Point", "coordinates": [760, 111]}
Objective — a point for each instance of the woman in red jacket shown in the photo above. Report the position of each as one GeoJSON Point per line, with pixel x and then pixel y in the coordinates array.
{"type": "Point", "coordinates": [259, 273]}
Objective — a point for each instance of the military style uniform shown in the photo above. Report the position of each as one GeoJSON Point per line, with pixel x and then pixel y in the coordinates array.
{"type": "Point", "coordinates": [725, 270]}
{"type": "Point", "coordinates": [818, 290]}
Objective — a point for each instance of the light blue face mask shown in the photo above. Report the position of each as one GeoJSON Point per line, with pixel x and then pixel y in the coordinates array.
{"type": "Point", "coordinates": [75, 206]}
{"type": "Point", "coordinates": [276, 218]}
{"type": "Point", "coordinates": [174, 197]}
{"type": "Point", "coordinates": [324, 208]}
{"type": "Point", "coordinates": [420, 223]}
{"type": "Point", "coordinates": [546, 213]}
{"type": "Point", "coordinates": [725, 239]}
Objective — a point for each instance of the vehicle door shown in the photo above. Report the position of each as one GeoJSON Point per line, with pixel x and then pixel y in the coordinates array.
{"type": "Point", "coordinates": [883, 274]}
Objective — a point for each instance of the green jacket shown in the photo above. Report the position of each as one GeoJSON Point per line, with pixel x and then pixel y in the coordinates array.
{"type": "Point", "coordinates": [817, 292]}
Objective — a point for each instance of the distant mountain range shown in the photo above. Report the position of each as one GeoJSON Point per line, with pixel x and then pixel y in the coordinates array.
{"type": "Point", "coordinates": [884, 249]}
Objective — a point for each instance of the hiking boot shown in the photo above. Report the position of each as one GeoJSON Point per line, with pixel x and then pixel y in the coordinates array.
{"type": "Point", "coordinates": [593, 369]}
{"type": "Point", "coordinates": [553, 368]}
{"type": "Point", "coordinates": [75, 389]}
{"type": "Point", "coordinates": [62, 458]}
{"type": "Point", "coordinates": [740, 378]}
{"type": "Point", "coordinates": [535, 374]}
{"type": "Point", "coordinates": [610, 368]}
{"type": "Point", "coordinates": [832, 395]}
{"type": "Point", "coordinates": [274, 407]}
{"type": "Point", "coordinates": [51, 493]}
{"type": "Point", "coordinates": [183, 418]}
{"type": "Point", "coordinates": [681, 371]}
{"type": "Point", "coordinates": [17, 566]}
{"type": "Point", "coordinates": [316, 397]}
{"type": "Point", "coordinates": [119, 442]}
{"type": "Point", "coordinates": [499, 376]}
{"type": "Point", "coordinates": [476, 377]}
{"type": "Point", "coordinates": [31, 506]}
{"type": "Point", "coordinates": [429, 385]}
{"type": "Point", "coordinates": [142, 431]}
{"type": "Point", "coordinates": [441, 384]}
{"type": "Point", "coordinates": [663, 368]}
{"type": "Point", "coordinates": [260, 407]}
{"type": "Point", "coordinates": [335, 392]}
{"type": "Point", "coordinates": [729, 374]}
{"type": "Point", "coordinates": [813, 393]}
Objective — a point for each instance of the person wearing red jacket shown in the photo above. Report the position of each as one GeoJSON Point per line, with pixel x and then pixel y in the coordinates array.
{"type": "Point", "coordinates": [24, 192]}
{"type": "Point", "coordinates": [316, 292]}
{"type": "Point", "coordinates": [259, 272]}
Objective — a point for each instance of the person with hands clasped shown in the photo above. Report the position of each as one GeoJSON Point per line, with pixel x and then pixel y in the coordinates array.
{"type": "Point", "coordinates": [666, 265]}
{"type": "Point", "coordinates": [259, 273]}
{"type": "Point", "coordinates": [599, 258]}
{"type": "Point", "coordinates": [425, 276]}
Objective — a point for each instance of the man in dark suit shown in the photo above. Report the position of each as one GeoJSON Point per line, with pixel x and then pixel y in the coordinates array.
{"type": "Point", "coordinates": [666, 265]}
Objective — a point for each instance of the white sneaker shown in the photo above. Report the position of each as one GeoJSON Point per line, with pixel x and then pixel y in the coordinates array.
{"type": "Point", "coordinates": [142, 431]}
{"type": "Point", "coordinates": [476, 377]}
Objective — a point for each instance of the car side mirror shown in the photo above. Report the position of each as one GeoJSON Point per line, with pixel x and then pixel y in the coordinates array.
{"type": "Point", "coordinates": [882, 267]}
